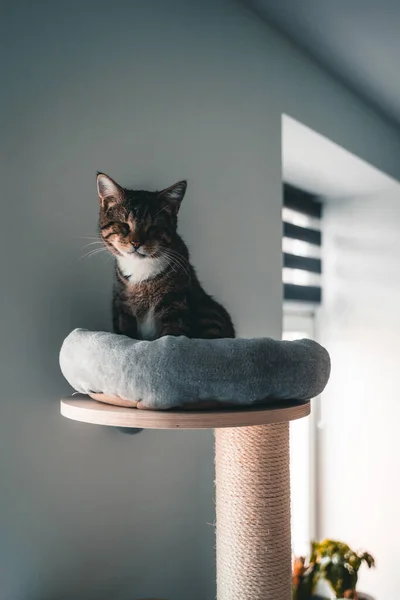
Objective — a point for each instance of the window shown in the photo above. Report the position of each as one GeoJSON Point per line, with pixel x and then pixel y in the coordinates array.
{"type": "Point", "coordinates": [302, 268]}
{"type": "Point", "coordinates": [302, 265]}
{"type": "Point", "coordinates": [302, 443]}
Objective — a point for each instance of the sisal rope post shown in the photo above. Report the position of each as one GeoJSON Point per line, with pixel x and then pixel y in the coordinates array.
{"type": "Point", "coordinates": [252, 486]}
{"type": "Point", "coordinates": [253, 513]}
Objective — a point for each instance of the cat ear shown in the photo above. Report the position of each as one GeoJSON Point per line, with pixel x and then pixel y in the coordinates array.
{"type": "Point", "coordinates": [173, 196]}
{"type": "Point", "coordinates": [108, 189]}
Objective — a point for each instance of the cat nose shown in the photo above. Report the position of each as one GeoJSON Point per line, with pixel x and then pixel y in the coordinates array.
{"type": "Point", "coordinates": [136, 244]}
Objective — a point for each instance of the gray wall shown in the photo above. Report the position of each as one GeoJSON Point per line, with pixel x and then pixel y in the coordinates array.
{"type": "Point", "coordinates": [359, 442]}
{"type": "Point", "coordinates": [150, 92]}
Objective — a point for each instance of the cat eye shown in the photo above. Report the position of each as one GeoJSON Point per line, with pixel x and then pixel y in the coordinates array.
{"type": "Point", "coordinates": [124, 228]}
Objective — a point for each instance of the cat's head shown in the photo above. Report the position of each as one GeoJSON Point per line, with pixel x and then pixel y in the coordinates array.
{"type": "Point", "coordinates": [136, 223]}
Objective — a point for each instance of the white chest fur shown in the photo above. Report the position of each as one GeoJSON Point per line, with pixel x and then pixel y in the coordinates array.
{"type": "Point", "coordinates": [138, 269]}
{"type": "Point", "coordinates": [147, 326]}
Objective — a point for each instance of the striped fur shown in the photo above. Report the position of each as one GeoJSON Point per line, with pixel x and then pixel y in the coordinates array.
{"type": "Point", "coordinates": [156, 290]}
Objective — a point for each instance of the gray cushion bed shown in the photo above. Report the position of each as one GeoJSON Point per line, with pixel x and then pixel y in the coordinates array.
{"type": "Point", "coordinates": [177, 371]}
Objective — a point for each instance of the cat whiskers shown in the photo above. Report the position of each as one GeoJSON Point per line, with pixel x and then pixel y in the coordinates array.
{"type": "Point", "coordinates": [96, 238]}
{"type": "Point", "coordinates": [93, 243]}
{"type": "Point", "coordinates": [93, 252]}
{"type": "Point", "coordinates": [177, 256]}
{"type": "Point", "coordinates": [170, 264]}
{"type": "Point", "coordinates": [164, 259]}
{"type": "Point", "coordinates": [175, 259]}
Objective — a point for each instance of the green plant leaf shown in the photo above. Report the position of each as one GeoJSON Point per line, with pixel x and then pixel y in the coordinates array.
{"type": "Point", "coordinates": [338, 564]}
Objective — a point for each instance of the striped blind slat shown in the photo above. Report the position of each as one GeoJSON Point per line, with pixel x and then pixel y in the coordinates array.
{"type": "Point", "coordinates": [291, 261]}
{"type": "Point", "coordinates": [301, 201]}
{"type": "Point", "coordinates": [302, 293]}
{"type": "Point", "coordinates": [304, 234]}
{"type": "Point", "coordinates": [302, 264]}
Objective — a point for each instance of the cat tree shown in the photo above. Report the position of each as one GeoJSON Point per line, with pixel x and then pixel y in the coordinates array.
{"type": "Point", "coordinates": [252, 486]}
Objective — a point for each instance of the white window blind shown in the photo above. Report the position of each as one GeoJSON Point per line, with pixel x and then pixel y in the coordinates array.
{"type": "Point", "coordinates": [302, 239]}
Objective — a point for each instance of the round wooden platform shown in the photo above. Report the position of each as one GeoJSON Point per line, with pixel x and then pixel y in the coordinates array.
{"type": "Point", "coordinates": [82, 408]}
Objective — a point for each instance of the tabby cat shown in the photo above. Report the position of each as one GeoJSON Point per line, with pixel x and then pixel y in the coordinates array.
{"type": "Point", "coordinates": [156, 290]}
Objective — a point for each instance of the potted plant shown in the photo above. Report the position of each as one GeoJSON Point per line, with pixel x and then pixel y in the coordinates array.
{"type": "Point", "coordinates": [334, 563]}
{"type": "Point", "coordinates": [303, 579]}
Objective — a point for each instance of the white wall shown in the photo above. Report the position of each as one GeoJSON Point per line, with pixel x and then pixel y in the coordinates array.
{"type": "Point", "coordinates": [150, 92]}
{"type": "Point", "coordinates": [360, 324]}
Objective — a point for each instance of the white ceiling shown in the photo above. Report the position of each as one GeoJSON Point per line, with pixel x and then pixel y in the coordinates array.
{"type": "Point", "coordinates": [318, 165]}
{"type": "Point", "coordinates": [356, 40]}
